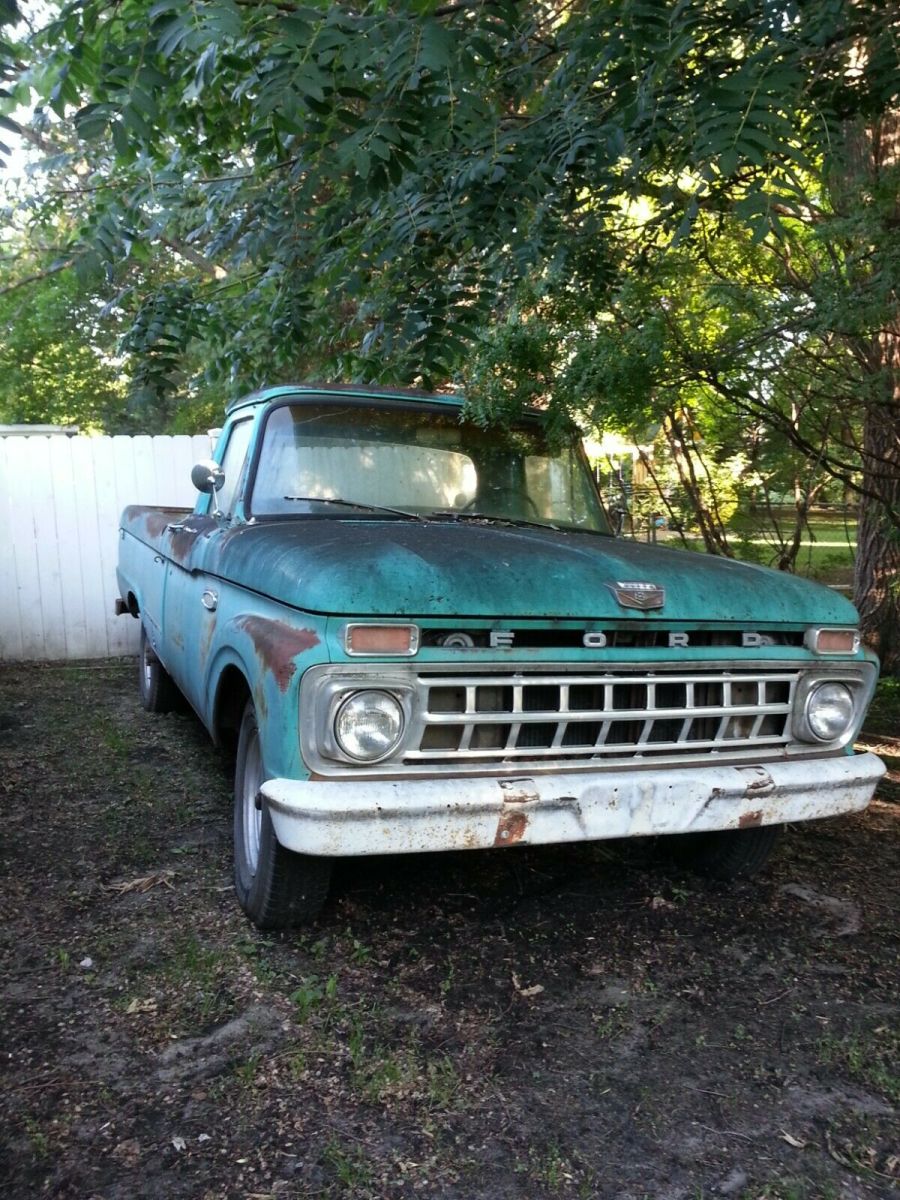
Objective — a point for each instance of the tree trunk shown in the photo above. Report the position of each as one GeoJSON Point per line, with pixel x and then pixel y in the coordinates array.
{"type": "Point", "coordinates": [868, 182]}
{"type": "Point", "coordinates": [876, 582]}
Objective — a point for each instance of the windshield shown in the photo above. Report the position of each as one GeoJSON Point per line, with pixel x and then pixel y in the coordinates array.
{"type": "Point", "coordinates": [419, 462]}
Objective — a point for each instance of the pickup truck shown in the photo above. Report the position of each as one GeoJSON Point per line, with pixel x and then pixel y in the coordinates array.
{"type": "Point", "coordinates": [417, 634]}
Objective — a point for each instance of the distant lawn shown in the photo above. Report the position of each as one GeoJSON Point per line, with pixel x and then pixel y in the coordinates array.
{"type": "Point", "coordinates": [825, 554]}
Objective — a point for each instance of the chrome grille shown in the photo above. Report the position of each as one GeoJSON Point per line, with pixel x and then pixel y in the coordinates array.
{"type": "Point", "coordinates": [507, 717]}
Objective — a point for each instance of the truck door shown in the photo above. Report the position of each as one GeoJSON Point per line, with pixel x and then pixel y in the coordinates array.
{"type": "Point", "coordinates": [191, 596]}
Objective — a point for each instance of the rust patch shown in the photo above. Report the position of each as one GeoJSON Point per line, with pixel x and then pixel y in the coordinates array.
{"type": "Point", "coordinates": [511, 828]}
{"type": "Point", "coordinates": [182, 539]}
{"type": "Point", "coordinates": [259, 700]}
{"type": "Point", "coordinates": [182, 543]}
{"type": "Point", "coordinates": [178, 639]}
{"type": "Point", "coordinates": [153, 520]}
{"type": "Point", "coordinates": [208, 631]}
{"type": "Point", "coordinates": [277, 644]}
{"type": "Point", "coordinates": [155, 524]}
{"type": "Point", "coordinates": [749, 819]}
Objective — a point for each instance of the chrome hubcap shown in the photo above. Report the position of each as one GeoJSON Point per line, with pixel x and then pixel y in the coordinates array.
{"type": "Point", "coordinates": [146, 667]}
{"type": "Point", "coordinates": [252, 810]}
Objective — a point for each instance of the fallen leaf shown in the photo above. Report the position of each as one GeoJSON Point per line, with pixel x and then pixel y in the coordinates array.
{"type": "Point", "coordinates": [792, 1141]}
{"type": "Point", "coordinates": [179, 1143]}
{"type": "Point", "coordinates": [128, 1151]}
{"type": "Point", "coordinates": [659, 902]}
{"type": "Point", "coordinates": [143, 883]}
{"type": "Point", "coordinates": [140, 1006]}
{"type": "Point", "coordinates": [534, 990]}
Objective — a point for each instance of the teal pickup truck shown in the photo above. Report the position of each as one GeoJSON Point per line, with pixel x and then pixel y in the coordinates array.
{"type": "Point", "coordinates": [417, 634]}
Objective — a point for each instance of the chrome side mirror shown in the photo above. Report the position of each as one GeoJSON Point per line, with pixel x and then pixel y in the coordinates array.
{"type": "Point", "coordinates": [207, 476]}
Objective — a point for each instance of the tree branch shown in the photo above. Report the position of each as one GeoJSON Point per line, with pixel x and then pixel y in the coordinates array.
{"type": "Point", "coordinates": [36, 278]}
{"type": "Point", "coordinates": [209, 268]}
{"type": "Point", "coordinates": [32, 135]}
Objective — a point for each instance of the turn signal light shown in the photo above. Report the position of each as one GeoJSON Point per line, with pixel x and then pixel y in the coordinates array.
{"type": "Point", "coordinates": [381, 639]}
{"type": "Point", "coordinates": [832, 641]}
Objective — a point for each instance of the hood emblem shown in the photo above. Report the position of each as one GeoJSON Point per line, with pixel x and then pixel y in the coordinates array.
{"type": "Point", "coordinates": [638, 594]}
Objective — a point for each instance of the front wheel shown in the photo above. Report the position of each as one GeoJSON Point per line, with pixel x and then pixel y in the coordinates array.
{"type": "Point", "coordinates": [276, 888]}
{"type": "Point", "coordinates": [727, 853]}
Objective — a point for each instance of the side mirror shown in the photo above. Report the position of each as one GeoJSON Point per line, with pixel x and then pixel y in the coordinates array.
{"type": "Point", "coordinates": [207, 476]}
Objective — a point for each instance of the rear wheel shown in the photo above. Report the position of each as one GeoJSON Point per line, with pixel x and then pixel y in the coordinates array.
{"type": "Point", "coordinates": [158, 691]}
{"type": "Point", "coordinates": [728, 853]}
{"type": "Point", "coordinates": [276, 888]}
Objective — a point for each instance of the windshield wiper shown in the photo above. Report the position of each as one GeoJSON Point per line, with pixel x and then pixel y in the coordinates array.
{"type": "Point", "coordinates": [397, 512]}
{"type": "Point", "coordinates": [480, 516]}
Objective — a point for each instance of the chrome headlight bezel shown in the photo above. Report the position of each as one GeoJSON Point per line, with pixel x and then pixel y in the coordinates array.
{"type": "Point", "coordinates": [859, 681]}
{"type": "Point", "coordinates": [323, 695]}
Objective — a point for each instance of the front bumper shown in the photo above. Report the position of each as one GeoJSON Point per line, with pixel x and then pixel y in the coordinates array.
{"type": "Point", "coordinates": [351, 818]}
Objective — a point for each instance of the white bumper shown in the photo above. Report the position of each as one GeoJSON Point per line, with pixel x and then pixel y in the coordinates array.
{"type": "Point", "coordinates": [344, 818]}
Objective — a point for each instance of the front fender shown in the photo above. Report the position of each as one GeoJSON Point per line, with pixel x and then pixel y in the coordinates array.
{"type": "Point", "coordinates": [271, 646]}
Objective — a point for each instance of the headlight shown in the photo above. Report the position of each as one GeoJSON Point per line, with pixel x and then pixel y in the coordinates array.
{"type": "Point", "coordinates": [829, 711]}
{"type": "Point", "coordinates": [369, 725]}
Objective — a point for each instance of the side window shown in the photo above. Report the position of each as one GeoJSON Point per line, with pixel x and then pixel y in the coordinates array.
{"type": "Point", "coordinates": [232, 463]}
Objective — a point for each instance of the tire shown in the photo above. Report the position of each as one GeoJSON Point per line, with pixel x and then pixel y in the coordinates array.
{"type": "Point", "coordinates": [728, 853]}
{"type": "Point", "coordinates": [157, 688]}
{"type": "Point", "coordinates": [276, 888]}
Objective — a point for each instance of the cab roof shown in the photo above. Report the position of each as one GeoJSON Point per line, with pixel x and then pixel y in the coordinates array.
{"type": "Point", "coordinates": [360, 390]}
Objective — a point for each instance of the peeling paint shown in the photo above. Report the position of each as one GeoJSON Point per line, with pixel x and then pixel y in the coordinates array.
{"type": "Point", "coordinates": [759, 782]}
{"type": "Point", "coordinates": [277, 644]}
{"type": "Point", "coordinates": [518, 791]}
{"type": "Point", "coordinates": [511, 828]}
{"type": "Point", "coordinates": [751, 819]}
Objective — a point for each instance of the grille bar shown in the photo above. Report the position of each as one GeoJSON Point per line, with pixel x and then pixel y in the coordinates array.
{"type": "Point", "coordinates": [589, 751]}
{"type": "Point", "coordinates": [634, 714]}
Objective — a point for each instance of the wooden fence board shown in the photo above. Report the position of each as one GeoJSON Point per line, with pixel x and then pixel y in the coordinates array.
{"type": "Point", "coordinates": [60, 501]}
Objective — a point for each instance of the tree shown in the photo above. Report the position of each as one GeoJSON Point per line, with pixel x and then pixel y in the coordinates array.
{"type": "Point", "coordinates": [373, 191]}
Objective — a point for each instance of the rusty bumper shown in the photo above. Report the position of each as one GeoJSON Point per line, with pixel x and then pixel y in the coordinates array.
{"type": "Point", "coordinates": [349, 818]}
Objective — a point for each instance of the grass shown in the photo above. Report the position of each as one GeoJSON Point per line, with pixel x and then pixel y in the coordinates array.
{"type": "Point", "coordinates": [382, 1075]}
{"type": "Point", "coordinates": [311, 994]}
{"type": "Point", "coordinates": [884, 711]}
{"type": "Point", "coordinates": [351, 1168]}
{"type": "Point", "coordinates": [869, 1056]}
{"type": "Point", "coordinates": [819, 558]}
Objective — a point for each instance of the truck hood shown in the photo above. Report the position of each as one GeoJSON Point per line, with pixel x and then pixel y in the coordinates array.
{"type": "Point", "coordinates": [466, 569]}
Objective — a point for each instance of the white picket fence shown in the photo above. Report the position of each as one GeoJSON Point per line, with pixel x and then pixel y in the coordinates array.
{"type": "Point", "coordinates": [60, 502]}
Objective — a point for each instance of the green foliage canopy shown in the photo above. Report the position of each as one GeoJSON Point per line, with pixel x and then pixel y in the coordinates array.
{"type": "Point", "coordinates": [361, 190]}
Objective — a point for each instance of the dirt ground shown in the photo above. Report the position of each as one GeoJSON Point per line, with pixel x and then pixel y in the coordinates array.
{"type": "Point", "coordinates": [569, 1022]}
